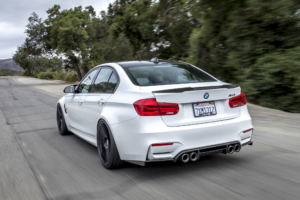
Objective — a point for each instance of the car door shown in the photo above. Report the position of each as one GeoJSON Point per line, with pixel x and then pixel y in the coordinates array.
{"type": "Point", "coordinates": [75, 107]}
{"type": "Point", "coordinates": [103, 87]}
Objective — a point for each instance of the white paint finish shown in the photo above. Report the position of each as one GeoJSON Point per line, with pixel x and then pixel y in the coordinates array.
{"type": "Point", "coordinates": [185, 100]}
{"type": "Point", "coordinates": [92, 109]}
{"type": "Point", "coordinates": [138, 134]}
{"type": "Point", "coordinates": [76, 115]}
{"type": "Point", "coordinates": [134, 134]}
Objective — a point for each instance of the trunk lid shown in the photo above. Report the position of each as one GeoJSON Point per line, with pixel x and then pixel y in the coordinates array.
{"type": "Point", "coordinates": [185, 95]}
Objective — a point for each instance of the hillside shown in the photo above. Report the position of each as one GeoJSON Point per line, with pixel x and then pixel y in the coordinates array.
{"type": "Point", "coordinates": [9, 64]}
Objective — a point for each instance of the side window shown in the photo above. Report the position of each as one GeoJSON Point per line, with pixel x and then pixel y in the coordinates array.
{"type": "Point", "coordinates": [101, 80]}
{"type": "Point", "coordinates": [112, 83]}
{"type": "Point", "coordinates": [86, 83]}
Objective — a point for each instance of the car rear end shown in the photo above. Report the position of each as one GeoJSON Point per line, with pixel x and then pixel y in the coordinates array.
{"type": "Point", "coordinates": [192, 116]}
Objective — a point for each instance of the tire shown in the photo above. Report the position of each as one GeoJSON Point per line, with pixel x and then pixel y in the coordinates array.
{"type": "Point", "coordinates": [106, 146]}
{"type": "Point", "coordinates": [61, 123]}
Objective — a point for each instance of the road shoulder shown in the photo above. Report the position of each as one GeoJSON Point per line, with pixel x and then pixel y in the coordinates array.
{"type": "Point", "coordinates": [51, 86]}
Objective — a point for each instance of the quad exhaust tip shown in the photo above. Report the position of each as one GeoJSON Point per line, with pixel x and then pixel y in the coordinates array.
{"type": "Point", "coordinates": [185, 158]}
{"type": "Point", "coordinates": [230, 149]}
{"type": "Point", "coordinates": [237, 147]}
{"type": "Point", "coordinates": [233, 148]}
{"type": "Point", "coordinates": [194, 156]}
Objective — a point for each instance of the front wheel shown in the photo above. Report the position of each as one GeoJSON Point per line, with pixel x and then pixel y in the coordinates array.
{"type": "Point", "coordinates": [61, 123]}
{"type": "Point", "coordinates": [107, 148]}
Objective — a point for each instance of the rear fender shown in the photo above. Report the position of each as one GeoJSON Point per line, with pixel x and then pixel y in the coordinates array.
{"type": "Point", "coordinates": [119, 109]}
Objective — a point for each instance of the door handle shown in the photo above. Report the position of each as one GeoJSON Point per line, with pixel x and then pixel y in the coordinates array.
{"type": "Point", "coordinates": [101, 101]}
{"type": "Point", "coordinates": [80, 101]}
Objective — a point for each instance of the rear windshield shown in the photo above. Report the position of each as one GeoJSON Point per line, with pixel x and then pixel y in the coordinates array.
{"type": "Point", "coordinates": [166, 74]}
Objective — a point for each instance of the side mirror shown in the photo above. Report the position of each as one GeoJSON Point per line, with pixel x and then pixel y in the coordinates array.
{"type": "Point", "coordinates": [70, 89]}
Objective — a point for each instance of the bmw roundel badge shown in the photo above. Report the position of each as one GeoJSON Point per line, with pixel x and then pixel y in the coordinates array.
{"type": "Point", "coordinates": [206, 95]}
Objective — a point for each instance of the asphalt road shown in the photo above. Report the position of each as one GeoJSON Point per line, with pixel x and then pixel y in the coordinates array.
{"type": "Point", "coordinates": [66, 167]}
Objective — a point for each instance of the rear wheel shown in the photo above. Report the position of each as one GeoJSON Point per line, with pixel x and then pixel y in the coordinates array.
{"type": "Point", "coordinates": [61, 124]}
{"type": "Point", "coordinates": [107, 149]}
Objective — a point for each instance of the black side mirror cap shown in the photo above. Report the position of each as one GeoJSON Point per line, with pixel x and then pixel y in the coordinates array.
{"type": "Point", "coordinates": [70, 89]}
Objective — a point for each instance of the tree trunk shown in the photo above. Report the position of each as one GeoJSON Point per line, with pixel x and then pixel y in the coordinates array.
{"type": "Point", "coordinates": [203, 56]}
{"type": "Point", "coordinates": [75, 64]}
{"type": "Point", "coordinates": [29, 71]}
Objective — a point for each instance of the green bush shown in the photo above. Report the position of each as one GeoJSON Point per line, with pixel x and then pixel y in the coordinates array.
{"type": "Point", "coordinates": [60, 76]}
{"type": "Point", "coordinates": [3, 73]}
{"type": "Point", "coordinates": [46, 75]}
{"type": "Point", "coordinates": [36, 74]}
{"type": "Point", "coordinates": [72, 77]}
{"type": "Point", "coordinates": [274, 81]}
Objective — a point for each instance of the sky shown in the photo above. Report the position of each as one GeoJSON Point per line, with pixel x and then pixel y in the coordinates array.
{"type": "Point", "coordinates": [14, 16]}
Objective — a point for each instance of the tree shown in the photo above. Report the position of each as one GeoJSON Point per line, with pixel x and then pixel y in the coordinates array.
{"type": "Point", "coordinates": [236, 33]}
{"type": "Point", "coordinates": [251, 43]}
{"type": "Point", "coordinates": [36, 32]}
{"type": "Point", "coordinates": [34, 55]}
{"type": "Point", "coordinates": [105, 47]}
{"type": "Point", "coordinates": [162, 27]}
{"type": "Point", "coordinates": [81, 38]}
{"type": "Point", "coordinates": [274, 80]}
{"type": "Point", "coordinates": [69, 34]}
{"type": "Point", "coordinates": [21, 58]}
{"type": "Point", "coordinates": [33, 64]}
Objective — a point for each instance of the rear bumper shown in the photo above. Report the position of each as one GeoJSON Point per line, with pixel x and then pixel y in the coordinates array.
{"type": "Point", "coordinates": [134, 138]}
{"type": "Point", "coordinates": [202, 151]}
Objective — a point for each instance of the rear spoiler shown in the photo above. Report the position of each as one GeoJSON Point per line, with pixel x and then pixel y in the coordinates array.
{"type": "Point", "coordinates": [180, 90]}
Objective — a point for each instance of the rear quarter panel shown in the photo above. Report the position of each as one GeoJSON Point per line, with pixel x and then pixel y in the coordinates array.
{"type": "Point", "coordinates": [119, 107]}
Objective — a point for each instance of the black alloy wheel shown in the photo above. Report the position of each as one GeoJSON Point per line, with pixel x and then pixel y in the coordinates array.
{"type": "Point", "coordinates": [106, 146]}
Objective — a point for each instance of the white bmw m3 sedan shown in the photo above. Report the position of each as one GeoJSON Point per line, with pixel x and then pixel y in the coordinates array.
{"type": "Point", "coordinates": [147, 111]}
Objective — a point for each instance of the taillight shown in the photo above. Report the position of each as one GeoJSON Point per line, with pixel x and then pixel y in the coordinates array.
{"type": "Point", "coordinates": [168, 108]}
{"type": "Point", "coordinates": [146, 107]}
{"type": "Point", "coordinates": [149, 107]}
{"type": "Point", "coordinates": [237, 101]}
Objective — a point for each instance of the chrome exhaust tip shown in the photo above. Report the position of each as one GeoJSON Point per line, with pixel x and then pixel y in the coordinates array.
{"type": "Point", "coordinates": [185, 158]}
{"type": "Point", "coordinates": [230, 149]}
{"type": "Point", "coordinates": [194, 156]}
{"type": "Point", "coordinates": [237, 147]}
